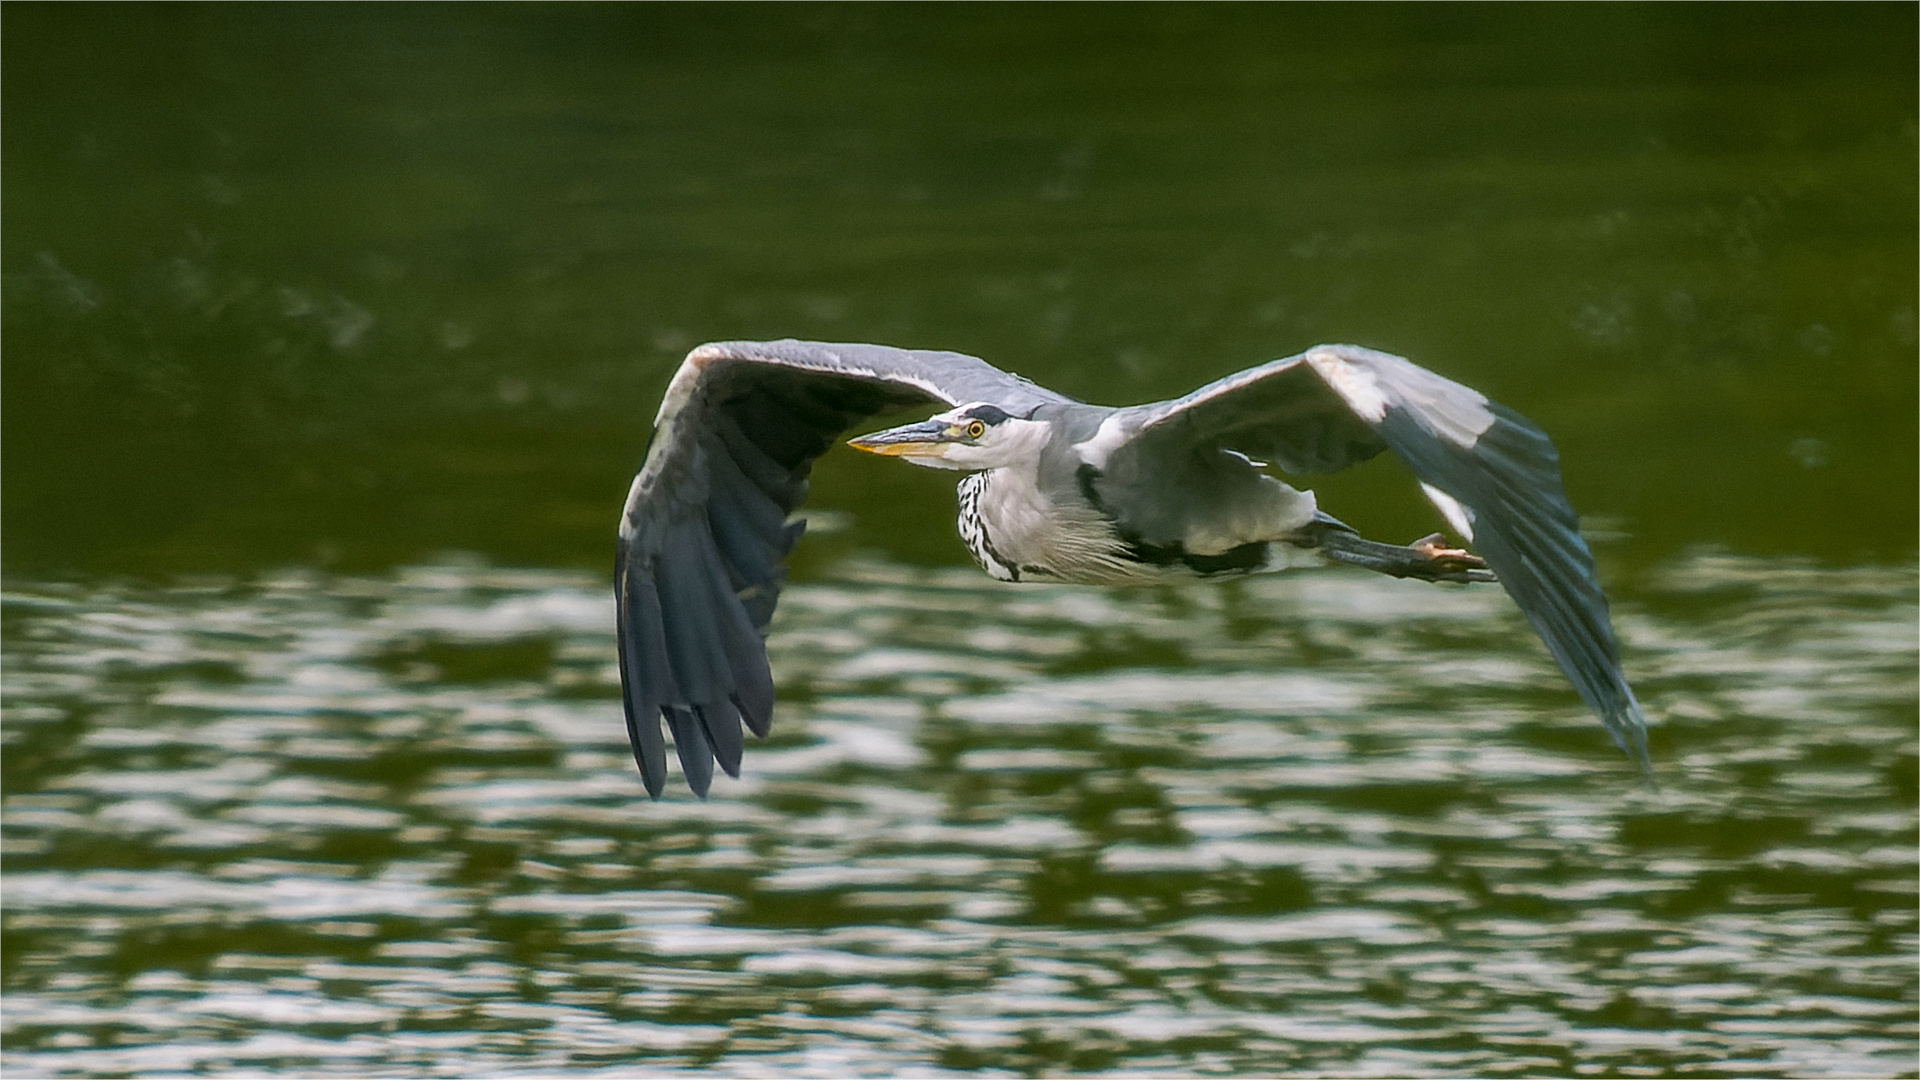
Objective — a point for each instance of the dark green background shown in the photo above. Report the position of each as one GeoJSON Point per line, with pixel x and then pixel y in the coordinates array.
{"type": "Point", "coordinates": [353, 284]}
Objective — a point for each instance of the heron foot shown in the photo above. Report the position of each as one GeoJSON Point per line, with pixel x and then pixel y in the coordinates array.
{"type": "Point", "coordinates": [1449, 563]}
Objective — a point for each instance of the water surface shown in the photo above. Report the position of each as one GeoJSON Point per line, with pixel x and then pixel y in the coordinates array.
{"type": "Point", "coordinates": [1316, 824]}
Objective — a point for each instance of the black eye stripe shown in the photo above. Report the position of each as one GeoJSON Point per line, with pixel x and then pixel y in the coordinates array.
{"type": "Point", "coordinates": [990, 414]}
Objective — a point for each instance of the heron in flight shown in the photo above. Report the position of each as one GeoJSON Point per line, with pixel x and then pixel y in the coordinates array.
{"type": "Point", "coordinates": [1058, 490]}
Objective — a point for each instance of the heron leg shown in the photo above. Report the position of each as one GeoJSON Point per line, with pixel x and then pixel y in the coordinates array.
{"type": "Point", "coordinates": [1428, 558]}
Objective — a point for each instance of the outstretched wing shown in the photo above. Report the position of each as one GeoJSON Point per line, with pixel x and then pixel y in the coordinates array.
{"type": "Point", "coordinates": [704, 536]}
{"type": "Point", "coordinates": [1492, 473]}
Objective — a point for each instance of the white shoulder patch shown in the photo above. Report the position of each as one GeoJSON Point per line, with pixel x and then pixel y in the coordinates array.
{"type": "Point", "coordinates": [1111, 436]}
{"type": "Point", "coordinates": [1357, 386]}
{"type": "Point", "coordinates": [1370, 381]}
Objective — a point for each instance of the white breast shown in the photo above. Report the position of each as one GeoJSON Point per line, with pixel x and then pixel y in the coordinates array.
{"type": "Point", "coordinates": [973, 531]}
{"type": "Point", "coordinates": [1015, 532]}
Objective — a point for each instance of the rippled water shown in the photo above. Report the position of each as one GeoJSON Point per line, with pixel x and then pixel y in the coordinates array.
{"type": "Point", "coordinates": [1317, 824]}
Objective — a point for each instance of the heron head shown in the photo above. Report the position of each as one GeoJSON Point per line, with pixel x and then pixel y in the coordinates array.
{"type": "Point", "coordinates": [971, 437]}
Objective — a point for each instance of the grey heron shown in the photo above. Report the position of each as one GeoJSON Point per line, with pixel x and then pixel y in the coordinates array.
{"type": "Point", "coordinates": [1058, 490]}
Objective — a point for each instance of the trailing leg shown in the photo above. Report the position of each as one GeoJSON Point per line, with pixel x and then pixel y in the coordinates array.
{"type": "Point", "coordinates": [1428, 558]}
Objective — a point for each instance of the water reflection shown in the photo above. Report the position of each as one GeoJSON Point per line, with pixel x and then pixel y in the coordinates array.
{"type": "Point", "coordinates": [309, 824]}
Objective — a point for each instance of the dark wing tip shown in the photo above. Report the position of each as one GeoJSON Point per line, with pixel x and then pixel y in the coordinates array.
{"type": "Point", "coordinates": [705, 534]}
{"type": "Point", "coordinates": [643, 674]}
{"type": "Point", "coordinates": [721, 724]}
{"type": "Point", "coordinates": [1628, 727]}
{"type": "Point", "coordinates": [696, 753]}
{"type": "Point", "coordinates": [1523, 510]}
{"type": "Point", "coordinates": [1505, 472]}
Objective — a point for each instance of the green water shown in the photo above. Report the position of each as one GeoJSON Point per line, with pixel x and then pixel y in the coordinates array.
{"type": "Point", "coordinates": [304, 284]}
{"type": "Point", "coordinates": [329, 339]}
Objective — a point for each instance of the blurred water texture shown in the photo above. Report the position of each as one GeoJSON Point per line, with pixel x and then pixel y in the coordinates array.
{"type": "Point", "coordinates": [299, 300]}
{"type": "Point", "coordinates": [309, 824]}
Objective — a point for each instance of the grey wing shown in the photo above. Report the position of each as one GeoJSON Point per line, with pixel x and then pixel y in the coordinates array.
{"type": "Point", "coordinates": [704, 535]}
{"type": "Point", "coordinates": [1490, 471]}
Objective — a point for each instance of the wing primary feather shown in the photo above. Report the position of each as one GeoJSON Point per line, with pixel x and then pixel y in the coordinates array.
{"type": "Point", "coordinates": [722, 724]}
{"type": "Point", "coordinates": [740, 643]}
{"type": "Point", "coordinates": [755, 713]}
{"type": "Point", "coordinates": [753, 687]}
{"type": "Point", "coordinates": [695, 648]}
{"type": "Point", "coordinates": [647, 746]}
{"type": "Point", "coordinates": [696, 754]}
{"type": "Point", "coordinates": [644, 673]}
{"type": "Point", "coordinates": [747, 526]}
{"type": "Point", "coordinates": [1527, 532]}
{"type": "Point", "coordinates": [758, 601]}
{"type": "Point", "coordinates": [1583, 649]}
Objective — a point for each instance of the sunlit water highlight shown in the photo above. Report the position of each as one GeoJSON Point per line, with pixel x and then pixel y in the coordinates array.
{"type": "Point", "coordinates": [1318, 824]}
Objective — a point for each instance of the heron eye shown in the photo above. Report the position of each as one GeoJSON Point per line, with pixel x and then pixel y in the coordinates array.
{"type": "Point", "coordinates": [976, 429]}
